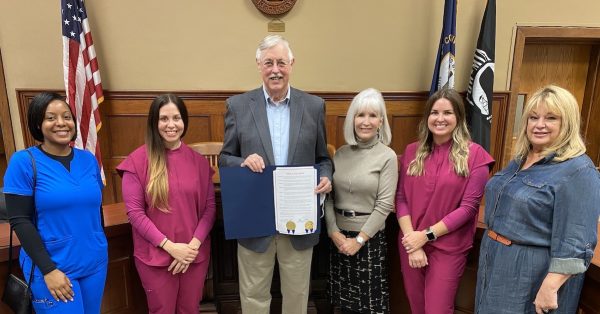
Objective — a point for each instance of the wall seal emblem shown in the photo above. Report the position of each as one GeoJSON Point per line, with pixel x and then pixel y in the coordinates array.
{"type": "Point", "coordinates": [274, 7]}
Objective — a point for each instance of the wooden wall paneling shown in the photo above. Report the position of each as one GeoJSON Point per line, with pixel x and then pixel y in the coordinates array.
{"type": "Point", "coordinates": [123, 293]}
{"type": "Point", "coordinates": [108, 196]}
{"type": "Point", "coordinates": [500, 114]}
{"type": "Point", "coordinates": [126, 133]}
{"type": "Point", "coordinates": [335, 114]}
{"type": "Point", "coordinates": [340, 140]}
{"type": "Point", "coordinates": [24, 97]}
{"type": "Point", "coordinates": [201, 130]}
{"type": "Point", "coordinates": [7, 141]}
{"type": "Point", "coordinates": [590, 110]}
{"type": "Point", "coordinates": [212, 112]}
{"type": "Point", "coordinates": [124, 116]}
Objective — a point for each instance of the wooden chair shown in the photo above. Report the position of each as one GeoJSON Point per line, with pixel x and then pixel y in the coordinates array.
{"type": "Point", "coordinates": [211, 151]}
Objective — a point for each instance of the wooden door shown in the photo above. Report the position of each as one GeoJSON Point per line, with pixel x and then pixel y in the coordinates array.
{"type": "Point", "coordinates": [565, 56]}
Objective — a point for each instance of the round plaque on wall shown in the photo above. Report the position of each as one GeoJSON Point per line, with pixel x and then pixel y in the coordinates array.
{"type": "Point", "coordinates": [274, 7]}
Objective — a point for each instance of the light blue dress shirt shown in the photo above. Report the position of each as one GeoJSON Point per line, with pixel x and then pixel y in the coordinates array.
{"type": "Point", "coordinates": [278, 115]}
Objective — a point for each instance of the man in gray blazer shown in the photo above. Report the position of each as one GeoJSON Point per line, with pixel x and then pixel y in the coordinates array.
{"type": "Point", "coordinates": [276, 125]}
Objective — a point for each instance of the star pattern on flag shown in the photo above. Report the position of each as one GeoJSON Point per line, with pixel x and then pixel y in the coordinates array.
{"type": "Point", "coordinates": [83, 84]}
{"type": "Point", "coordinates": [72, 15]}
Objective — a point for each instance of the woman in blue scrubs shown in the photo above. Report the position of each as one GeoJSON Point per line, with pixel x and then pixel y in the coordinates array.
{"type": "Point", "coordinates": [60, 230]}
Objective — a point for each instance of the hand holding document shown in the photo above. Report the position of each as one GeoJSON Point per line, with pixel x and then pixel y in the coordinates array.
{"type": "Point", "coordinates": [295, 200]}
{"type": "Point", "coordinates": [278, 200]}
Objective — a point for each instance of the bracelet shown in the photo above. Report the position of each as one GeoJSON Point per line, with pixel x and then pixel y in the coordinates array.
{"type": "Point", "coordinates": [163, 243]}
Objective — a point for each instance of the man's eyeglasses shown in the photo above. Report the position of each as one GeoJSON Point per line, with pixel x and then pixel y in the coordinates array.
{"type": "Point", "coordinates": [281, 63]}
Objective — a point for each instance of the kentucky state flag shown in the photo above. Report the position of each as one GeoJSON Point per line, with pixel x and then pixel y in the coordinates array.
{"type": "Point", "coordinates": [443, 73]}
{"type": "Point", "coordinates": [481, 84]}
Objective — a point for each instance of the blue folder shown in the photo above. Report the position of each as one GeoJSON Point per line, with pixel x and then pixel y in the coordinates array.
{"type": "Point", "coordinates": [248, 204]}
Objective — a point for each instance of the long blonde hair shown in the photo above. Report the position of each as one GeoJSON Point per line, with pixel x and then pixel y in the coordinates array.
{"type": "Point", "coordinates": [562, 103]}
{"type": "Point", "coordinates": [459, 153]}
{"type": "Point", "coordinates": [158, 175]}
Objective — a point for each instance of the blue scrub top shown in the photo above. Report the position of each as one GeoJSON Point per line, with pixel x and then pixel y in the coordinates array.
{"type": "Point", "coordinates": [68, 209]}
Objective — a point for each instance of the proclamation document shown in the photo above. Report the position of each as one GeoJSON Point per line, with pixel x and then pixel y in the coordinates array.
{"type": "Point", "coordinates": [295, 200]}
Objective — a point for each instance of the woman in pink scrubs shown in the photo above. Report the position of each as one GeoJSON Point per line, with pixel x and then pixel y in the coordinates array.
{"type": "Point", "coordinates": [440, 185]}
{"type": "Point", "coordinates": [169, 194]}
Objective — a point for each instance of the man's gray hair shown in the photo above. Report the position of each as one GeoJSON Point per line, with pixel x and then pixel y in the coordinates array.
{"type": "Point", "coordinates": [272, 41]}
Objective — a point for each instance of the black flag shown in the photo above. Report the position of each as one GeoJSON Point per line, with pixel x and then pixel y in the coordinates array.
{"type": "Point", "coordinates": [481, 84]}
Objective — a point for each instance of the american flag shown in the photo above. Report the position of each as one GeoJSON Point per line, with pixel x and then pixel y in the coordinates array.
{"type": "Point", "coordinates": [82, 76]}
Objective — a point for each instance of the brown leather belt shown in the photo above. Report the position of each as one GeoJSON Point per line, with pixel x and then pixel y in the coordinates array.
{"type": "Point", "coordinates": [349, 213]}
{"type": "Point", "coordinates": [499, 238]}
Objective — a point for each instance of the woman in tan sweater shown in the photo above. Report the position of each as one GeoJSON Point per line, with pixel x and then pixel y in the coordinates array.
{"type": "Point", "coordinates": [364, 186]}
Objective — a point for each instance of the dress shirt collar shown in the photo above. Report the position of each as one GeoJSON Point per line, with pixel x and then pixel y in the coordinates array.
{"type": "Point", "coordinates": [286, 99]}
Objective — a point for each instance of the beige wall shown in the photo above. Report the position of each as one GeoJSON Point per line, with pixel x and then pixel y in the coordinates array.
{"type": "Point", "coordinates": [340, 45]}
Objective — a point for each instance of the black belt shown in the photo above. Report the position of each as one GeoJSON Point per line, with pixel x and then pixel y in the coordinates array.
{"type": "Point", "coordinates": [350, 213]}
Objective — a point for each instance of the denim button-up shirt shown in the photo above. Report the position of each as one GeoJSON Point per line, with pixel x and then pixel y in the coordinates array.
{"type": "Point", "coordinates": [551, 204]}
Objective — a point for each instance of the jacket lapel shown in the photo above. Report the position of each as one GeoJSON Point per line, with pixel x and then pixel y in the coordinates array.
{"type": "Point", "coordinates": [259, 113]}
{"type": "Point", "coordinates": [296, 110]}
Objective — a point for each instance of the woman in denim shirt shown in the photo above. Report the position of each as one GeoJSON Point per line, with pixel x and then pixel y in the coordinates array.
{"type": "Point", "coordinates": [542, 214]}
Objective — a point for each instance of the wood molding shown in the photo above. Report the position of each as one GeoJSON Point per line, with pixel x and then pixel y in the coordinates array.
{"type": "Point", "coordinates": [5, 120]}
{"type": "Point", "coordinates": [571, 33]}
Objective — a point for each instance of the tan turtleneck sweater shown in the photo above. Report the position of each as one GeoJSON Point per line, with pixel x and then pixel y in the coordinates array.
{"type": "Point", "coordinates": [365, 180]}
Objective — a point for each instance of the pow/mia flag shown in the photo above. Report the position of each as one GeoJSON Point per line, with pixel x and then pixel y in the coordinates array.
{"type": "Point", "coordinates": [443, 73]}
{"type": "Point", "coordinates": [481, 84]}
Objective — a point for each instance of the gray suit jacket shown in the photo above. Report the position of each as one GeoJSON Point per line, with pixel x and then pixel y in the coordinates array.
{"type": "Point", "coordinates": [247, 132]}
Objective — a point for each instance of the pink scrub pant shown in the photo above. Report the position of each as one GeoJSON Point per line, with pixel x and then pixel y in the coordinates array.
{"type": "Point", "coordinates": [168, 293]}
{"type": "Point", "coordinates": [432, 289]}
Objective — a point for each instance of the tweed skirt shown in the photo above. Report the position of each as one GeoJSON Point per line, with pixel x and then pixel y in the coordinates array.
{"type": "Point", "coordinates": [360, 283]}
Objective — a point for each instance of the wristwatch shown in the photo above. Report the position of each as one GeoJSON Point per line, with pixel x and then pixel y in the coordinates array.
{"type": "Point", "coordinates": [430, 235]}
{"type": "Point", "coordinates": [360, 240]}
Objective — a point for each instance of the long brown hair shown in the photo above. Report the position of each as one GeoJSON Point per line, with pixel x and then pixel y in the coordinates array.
{"type": "Point", "coordinates": [158, 177]}
{"type": "Point", "coordinates": [459, 153]}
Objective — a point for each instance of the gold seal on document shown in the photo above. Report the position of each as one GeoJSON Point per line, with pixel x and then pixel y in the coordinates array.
{"type": "Point", "coordinates": [291, 227]}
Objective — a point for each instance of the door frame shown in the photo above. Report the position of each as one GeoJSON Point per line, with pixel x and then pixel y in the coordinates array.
{"type": "Point", "coordinates": [557, 35]}
{"type": "Point", "coordinates": [5, 120]}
